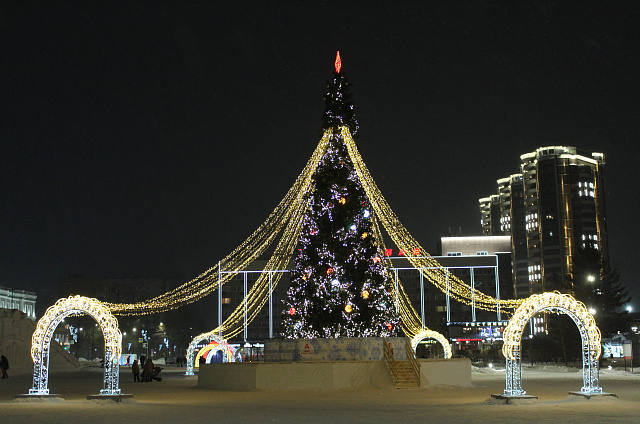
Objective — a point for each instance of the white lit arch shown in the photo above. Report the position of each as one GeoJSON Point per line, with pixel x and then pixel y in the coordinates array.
{"type": "Point", "coordinates": [558, 303]}
{"type": "Point", "coordinates": [227, 355]}
{"type": "Point", "coordinates": [430, 334]}
{"type": "Point", "coordinates": [41, 341]}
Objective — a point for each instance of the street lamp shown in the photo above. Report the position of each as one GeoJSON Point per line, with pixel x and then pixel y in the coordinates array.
{"type": "Point", "coordinates": [591, 278]}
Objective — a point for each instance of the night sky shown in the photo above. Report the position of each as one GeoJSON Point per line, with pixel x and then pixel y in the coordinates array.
{"type": "Point", "coordinates": [151, 138]}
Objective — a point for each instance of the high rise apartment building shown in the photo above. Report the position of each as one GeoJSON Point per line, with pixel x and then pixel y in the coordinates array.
{"type": "Point", "coordinates": [552, 208]}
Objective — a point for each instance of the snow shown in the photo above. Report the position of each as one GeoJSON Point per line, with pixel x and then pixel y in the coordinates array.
{"type": "Point", "coordinates": [177, 399]}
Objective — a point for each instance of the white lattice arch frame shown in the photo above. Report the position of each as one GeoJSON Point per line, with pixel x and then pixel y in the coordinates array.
{"type": "Point", "coordinates": [430, 334]}
{"type": "Point", "coordinates": [558, 303]}
{"type": "Point", "coordinates": [227, 355]}
{"type": "Point", "coordinates": [41, 341]}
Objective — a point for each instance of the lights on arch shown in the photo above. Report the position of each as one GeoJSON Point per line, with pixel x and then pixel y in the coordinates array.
{"type": "Point", "coordinates": [430, 334]}
{"type": "Point", "coordinates": [72, 306]}
{"type": "Point", "coordinates": [553, 301]}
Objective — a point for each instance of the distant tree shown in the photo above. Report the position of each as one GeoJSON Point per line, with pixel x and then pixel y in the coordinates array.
{"type": "Point", "coordinates": [598, 286]}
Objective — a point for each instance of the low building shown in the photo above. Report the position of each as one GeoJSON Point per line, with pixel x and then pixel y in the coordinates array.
{"type": "Point", "coordinates": [22, 300]}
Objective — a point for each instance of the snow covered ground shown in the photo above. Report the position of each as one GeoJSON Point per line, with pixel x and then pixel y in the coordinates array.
{"type": "Point", "coordinates": [177, 399]}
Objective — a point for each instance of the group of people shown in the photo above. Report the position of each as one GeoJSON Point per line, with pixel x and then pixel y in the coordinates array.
{"type": "Point", "coordinates": [147, 369]}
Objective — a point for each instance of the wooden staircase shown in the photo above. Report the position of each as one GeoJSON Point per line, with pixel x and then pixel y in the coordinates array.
{"type": "Point", "coordinates": [405, 374]}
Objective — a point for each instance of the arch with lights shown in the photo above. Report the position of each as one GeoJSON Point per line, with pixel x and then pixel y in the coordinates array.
{"type": "Point", "coordinates": [427, 334]}
{"type": "Point", "coordinates": [561, 304]}
{"type": "Point", "coordinates": [41, 341]}
{"type": "Point", "coordinates": [216, 343]}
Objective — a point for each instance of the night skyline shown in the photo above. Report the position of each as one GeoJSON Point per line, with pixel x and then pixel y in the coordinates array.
{"type": "Point", "coordinates": [152, 140]}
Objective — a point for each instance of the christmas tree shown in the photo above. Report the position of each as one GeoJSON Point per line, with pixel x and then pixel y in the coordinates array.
{"type": "Point", "coordinates": [339, 285]}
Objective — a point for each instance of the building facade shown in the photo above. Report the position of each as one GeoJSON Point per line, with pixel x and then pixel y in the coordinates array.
{"type": "Point", "coordinates": [22, 300]}
{"type": "Point", "coordinates": [483, 263]}
{"type": "Point", "coordinates": [553, 208]}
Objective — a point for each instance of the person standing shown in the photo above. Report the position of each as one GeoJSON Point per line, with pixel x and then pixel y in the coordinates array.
{"type": "Point", "coordinates": [142, 360]}
{"type": "Point", "coordinates": [4, 364]}
{"type": "Point", "coordinates": [135, 368]}
{"type": "Point", "coordinates": [148, 370]}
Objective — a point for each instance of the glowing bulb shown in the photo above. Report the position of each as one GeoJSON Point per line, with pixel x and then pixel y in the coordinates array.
{"type": "Point", "coordinates": [366, 213]}
{"type": "Point", "coordinates": [348, 309]}
{"type": "Point", "coordinates": [365, 294]}
{"type": "Point", "coordinates": [342, 200]}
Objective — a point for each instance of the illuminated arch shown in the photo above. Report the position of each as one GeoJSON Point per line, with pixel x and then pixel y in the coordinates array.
{"type": "Point", "coordinates": [41, 341]}
{"type": "Point", "coordinates": [557, 303]}
{"type": "Point", "coordinates": [227, 351]}
{"type": "Point", "coordinates": [430, 334]}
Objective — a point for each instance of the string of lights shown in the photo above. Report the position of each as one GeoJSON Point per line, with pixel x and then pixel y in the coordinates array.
{"type": "Point", "coordinates": [428, 266]}
{"type": "Point", "coordinates": [286, 220]}
{"type": "Point", "coordinates": [240, 257]}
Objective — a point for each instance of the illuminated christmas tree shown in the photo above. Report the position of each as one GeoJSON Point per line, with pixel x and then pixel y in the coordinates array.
{"type": "Point", "coordinates": [339, 285]}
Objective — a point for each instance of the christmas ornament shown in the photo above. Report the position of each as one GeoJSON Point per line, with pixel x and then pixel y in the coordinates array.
{"type": "Point", "coordinates": [348, 309]}
{"type": "Point", "coordinates": [365, 294]}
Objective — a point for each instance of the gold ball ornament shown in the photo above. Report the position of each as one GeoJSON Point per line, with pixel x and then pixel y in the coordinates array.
{"type": "Point", "coordinates": [348, 309]}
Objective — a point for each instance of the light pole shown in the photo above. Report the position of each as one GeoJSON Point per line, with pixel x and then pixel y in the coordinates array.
{"type": "Point", "coordinates": [591, 279]}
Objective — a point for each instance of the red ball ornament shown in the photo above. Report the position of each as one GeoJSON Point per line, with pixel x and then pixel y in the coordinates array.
{"type": "Point", "coordinates": [292, 311]}
{"type": "Point", "coordinates": [390, 326]}
{"type": "Point", "coordinates": [329, 271]}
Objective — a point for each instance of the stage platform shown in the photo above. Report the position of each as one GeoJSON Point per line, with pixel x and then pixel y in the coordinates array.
{"type": "Point", "coordinates": [326, 375]}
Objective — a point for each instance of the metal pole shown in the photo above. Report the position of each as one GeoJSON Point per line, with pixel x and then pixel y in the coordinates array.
{"type": "Point", "coordinates": [448, 300]}
{"type": "Point", "coordinates": [473, 296]}
{"type": "Point", "coordinates": [219, 301]}
{"type": "Point", "coordinates": [270, 305]}
{"type": "Point", "coordinates": [397, 288]}
{"type": "Point", "coordinates": [245, 306]}
{"type": "Point", "coordinates": [422, 297]}
{"type": "Point", "coordinates": [497, 290]}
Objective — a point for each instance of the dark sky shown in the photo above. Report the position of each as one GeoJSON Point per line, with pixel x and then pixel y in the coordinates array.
{"type": "Point", "coordinates": [152, 138]}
